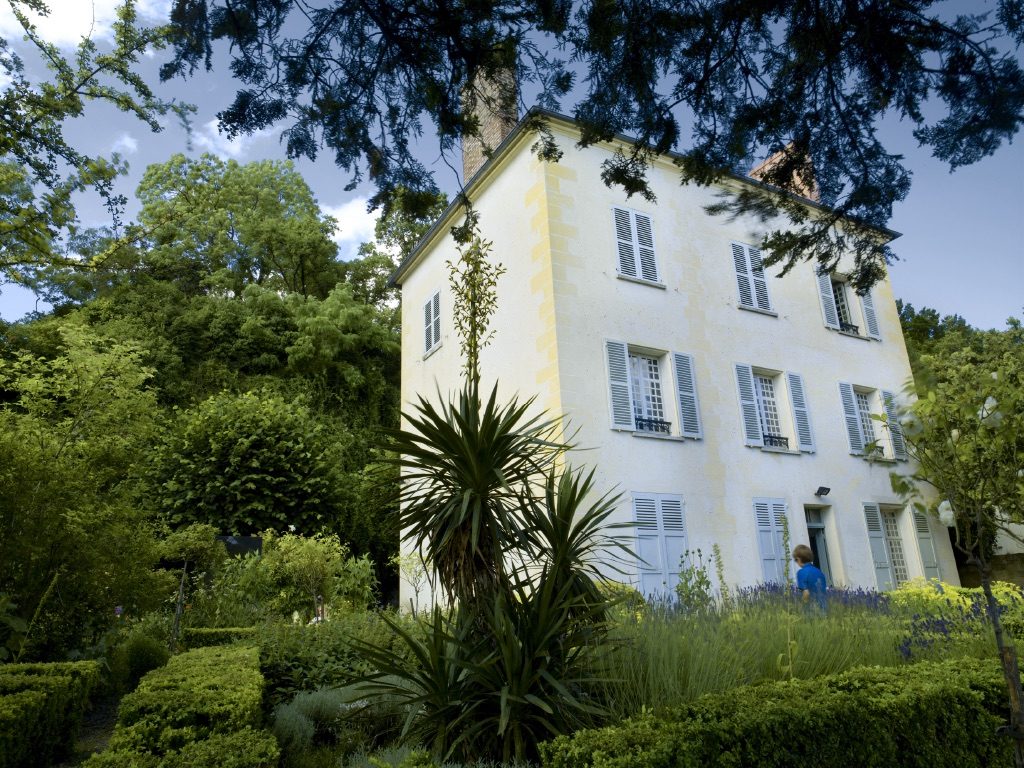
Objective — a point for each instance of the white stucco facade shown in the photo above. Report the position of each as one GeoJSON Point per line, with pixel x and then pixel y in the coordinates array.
{"type": "Point", "coordinates": [567, 318]}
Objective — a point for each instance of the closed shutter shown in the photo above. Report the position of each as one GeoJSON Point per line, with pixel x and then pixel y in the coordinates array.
{"type": "Point", "coordinates": [686, 386]}
{"type": "Point", "coordinates": [634, 237]}
{"type": "Point", "coordinates": [645, 247]}
{"type": "Point", "coordinates": [661, 541]}
{"type": "Point", "coordinates": [870, 319]}
{"type": "Point", "coordinates": [801, 414]}
{"type": "Point", "coordinates": [879, 552]}
{"type": "Point", "coordinates": [828, 301]}
{"type": "Point", "coordinates": [748, 405]}
{"type": "Point", "coordinates": [769, 515]}
{"type": "Point", "coordinates": [852, 419]}
{"type": "Point", "coordinates": [432, 322]}
{"type": "Point", "coordinates": [620, 396]}
{"type": "Point", "coordinates": [929, 561]}
{"type": "Point", "coordinates": [750, 277]}
{"type": "Point", "coordinates": [899, 445]}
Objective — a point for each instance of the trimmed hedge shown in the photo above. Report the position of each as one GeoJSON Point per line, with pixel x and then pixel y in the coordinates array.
{"type": "Point", "coordinates": [204, 637]}
{"type": "Point", "coordinates": [41, 708]}
{"type": "Point", "coordinates": [931, 715]}
{"type": "Point", "coordinates": [203, 708]}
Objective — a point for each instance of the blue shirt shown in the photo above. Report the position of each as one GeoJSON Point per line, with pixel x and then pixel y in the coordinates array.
{"type": "Point", "coordinates": [810, 578]}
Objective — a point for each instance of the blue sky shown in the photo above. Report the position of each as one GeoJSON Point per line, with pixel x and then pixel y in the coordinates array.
{"type": "Point", "coordinates": [961, 250]}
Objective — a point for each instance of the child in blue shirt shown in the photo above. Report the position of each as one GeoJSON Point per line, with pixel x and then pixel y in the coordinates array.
{"type": "Point", "coordinates": [809, 579]}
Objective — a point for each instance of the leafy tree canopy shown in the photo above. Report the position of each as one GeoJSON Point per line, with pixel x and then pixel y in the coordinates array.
{"type": "Point", "coordinates": [719, 82]}
{"type": "Point", "coordinates": [39, 170]}
{"type": "Point", "coordinates": [219, 226]}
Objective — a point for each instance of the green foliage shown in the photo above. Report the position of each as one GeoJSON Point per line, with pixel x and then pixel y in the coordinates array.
{"type": "Point", "coordinates": [245, 748]}
{"type": "Point", "coordinates": [246, 463]}
{"type": "Point", "coordinates": [693, 592]}
{"type": "Point", "coordinates": [137, 656]}
{"type": "Point", "coordinates": [40, 172]}
{"type": "Point", "coordinates": [203, 637]}
{"type": "Point", "coordinates": [219, 226]}
{"type": "Point", "coordinates": [942, 714]}
{"type": "Point", "coordinates": [41, 707]}
{"type": "Point", "coordinates": [297, 658]}
{"type": "Point", "coordinates": [324, 717]}
{"type": "Point", "coordinates": [73, 545]}
{"type": "Point", "coordinates": [198, 704]}
{"type": "Point", "coordinates": [474, 281]}
{"type": "Point", "coordinates": [809, 84]}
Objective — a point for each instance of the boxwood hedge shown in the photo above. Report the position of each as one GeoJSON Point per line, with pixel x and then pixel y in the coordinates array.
{"type": "Point", "coordinates": [41, 707]}
{"type": "Point", "coordinates": [203, 709]}
{"type": "Point", "coordinates": [931, 715]}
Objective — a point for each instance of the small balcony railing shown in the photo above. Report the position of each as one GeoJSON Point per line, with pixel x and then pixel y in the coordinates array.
{"type": "Point", "coordinates": [849, 328]}
{"type": "Point", "coordinates": [775, 441]}
{"type": "Point", "coordinates": [644, 424]}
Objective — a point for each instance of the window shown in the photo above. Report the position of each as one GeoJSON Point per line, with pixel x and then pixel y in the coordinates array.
{"type": "Point", "coordinates": [660, 541]}
{"type": "Point", "coordinates": [750, 279]}
{"type": "Point", "coordinates": [634, 236]}
{"type": "Point", "coordinates": [769, 516]}
{"type": "Point", "coordinates": [886, 545]}
{"type": "Point", "coordinates": [637, 382]}
{"type": "Point", "coordinates": [765, 424]}
{"type": "Point", "coordinates": [859, 403]}
{"type": "Point", "coordinates": [432, 323]}
{"type": "Point", "coordinates": [837, 307]}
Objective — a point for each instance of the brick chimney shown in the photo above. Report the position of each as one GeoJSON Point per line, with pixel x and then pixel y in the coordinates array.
{"type": "Point", "coordinates": [800, 177]}
{"type": "Point", "coordinates": [494, 99]}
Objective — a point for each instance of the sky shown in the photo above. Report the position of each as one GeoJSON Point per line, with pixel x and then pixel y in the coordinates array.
{"type": "Point", "coordinates": [960, 250]}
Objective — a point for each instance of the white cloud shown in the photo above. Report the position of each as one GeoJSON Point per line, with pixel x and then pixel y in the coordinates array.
{"type": "Point", "coordinates": [71, 20]}
{"type": "Point", "coordinates": [126, 144]}
{"type": "Point", "coordinates": [210, 139]}
{"type": "Point", "coordinates": [355, 225]}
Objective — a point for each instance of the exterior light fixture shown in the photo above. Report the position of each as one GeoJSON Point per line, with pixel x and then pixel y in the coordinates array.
{"type": "Point", "coordinates": [822, 491]}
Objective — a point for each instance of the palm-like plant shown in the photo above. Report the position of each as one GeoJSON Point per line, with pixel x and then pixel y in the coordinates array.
{"type": "Point", "coordinates": [468, 470]}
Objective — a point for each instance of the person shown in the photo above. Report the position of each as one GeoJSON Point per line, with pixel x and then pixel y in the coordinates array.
{"type": "Point", "coordinates": [809, 578]}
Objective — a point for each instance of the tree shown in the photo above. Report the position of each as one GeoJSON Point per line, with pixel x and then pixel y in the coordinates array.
{"type": "Point", "coordinates": [965, 433]}
{"type": "Point", "coordinates": [39, 170]}
{"type": "Point", "coordinates": [246, 463]}
{"type": "Point", "coordinates": [803, 81]}
{"type": "Point", "coordinates": [215, 226]}
{"type": "Point", "coordinates": [74, 545]}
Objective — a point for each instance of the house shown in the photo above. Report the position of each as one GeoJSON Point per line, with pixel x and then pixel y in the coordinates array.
{"type": "Point", "coordinates": [719, 400]}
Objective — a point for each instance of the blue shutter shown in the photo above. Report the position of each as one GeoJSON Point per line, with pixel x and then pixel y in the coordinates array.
{"type": "Point", "coordinates": [929, 562]}
{"type": "Point", "coordinates": [801, 414]}
{"type": "Point", "coordinates": [748, 406]}
{"type": "Point", "coordinates": [686, 388]}
{"type": "Point", "coordinates": [879, 550]}
{"type": "Point", "coordinates": [852, 419]}
{"type": "Point", "coordinates": [870, 319]}
{"type": "Point", "coordinates": [899, 445]}
{"type": "Point", "coordinates": [828, 300]}
{"type": "Point", "coordinates": [620, 397]}
{"type": "Point", "coordinates": [624, 241]}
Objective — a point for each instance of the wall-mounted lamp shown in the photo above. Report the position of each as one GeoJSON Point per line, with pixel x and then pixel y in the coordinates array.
{"type": "Point", "coordinates": [822, 491]}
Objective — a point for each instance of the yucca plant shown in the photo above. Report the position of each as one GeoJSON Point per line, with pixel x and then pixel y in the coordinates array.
{"type": "Point", "coordinates": [469, 468]}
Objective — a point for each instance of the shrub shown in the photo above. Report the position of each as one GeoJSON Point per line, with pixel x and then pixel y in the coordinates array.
{"type": "Point", "coordinates": [138, 655]}
{"type": "Point", "coordinates": [331, 716]}
{"type": "Point", "coordinates": [204, 637]}
{"type": "Point", "coordinates": [41, 727]}
{"type": "Point", "coordinates": [930, 715]}
{"type": "Point", "coordinates": [202, 709]}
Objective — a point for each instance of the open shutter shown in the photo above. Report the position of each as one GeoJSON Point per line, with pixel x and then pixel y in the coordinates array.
{"type": "Point", "coordinates": [624, 240]}
{"type": "Point", "coordinates": [673, 526]}
{"type": "Point", "coordinates": [828, 301]}
{"type": "Point", "coordinates": [760, 283]}
{"type": "Point", "coordinates": [852, 420]}
{"type": "Point", "coordinates": [801, 415]}
{"type": "Point", "coordinates": [769, 538]}
{"type": "Point", "coordinates": [436, 304]}
{"type": "Point", "coordinates": [778, 517]}
{"type": "Point", "coordinates": [899, 446]}
{"type": "Point", "coordinates": [870, 318]}
{"type": "Point", "coordinates": [686, 386]}
{"type": "Point", "coordinates": [620, 396]}
{"type": "Point", "coordinates": [428, 327]}
{"type": "Point", "coordinates": [743, 281]}
{"type": "Point", "coordinates": [929, 561]}
{"type": "Point", "coordinates": [879, 551]}
{"type": "Point", "coordinates": [645, 247]}
{"type": "Point", "coordinates": [748, 405]}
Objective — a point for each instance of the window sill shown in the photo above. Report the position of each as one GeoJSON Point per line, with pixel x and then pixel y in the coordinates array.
{"type": "Point", "coordinates": [849, 335]}
{"type": "Point", "coordinates": [758, 310]}
{"type": "Point", "coordinates": [432, 350]}
{"type": "Point", "coordinates": [771, 449]}
{"type": "Point", "coordinates": [876, 459]}
{"type": "Point", "coordinates": [657, 436]}
{"type": "Point", "coordinates": [641, 281]}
